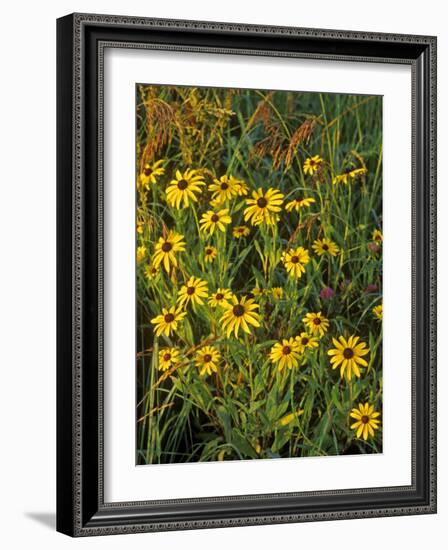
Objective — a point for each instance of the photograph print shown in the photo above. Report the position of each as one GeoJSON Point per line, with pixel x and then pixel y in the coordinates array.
{"type": "Point", "coordinates": [258, 274]}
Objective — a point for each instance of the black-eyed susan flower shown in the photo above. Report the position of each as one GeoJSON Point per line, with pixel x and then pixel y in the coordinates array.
{"type": "Point", "coordinates": [184, 188]}
{"type": "Point", "coordinates": [306, 341]}
{"type": "Point", "coordinates": [240, 314]}
{"type": "Point", "coordinates": [312, 164]}
{"type": "Point", "coordinates": [366, 420]}
{"type": "Point", "coordinates": [295, 260]}
{"type": "Point", "coordinates": [285, 354]}
{"type": "Point", "coordinates": [377, 236]}
{"type": "Point", "coordinates": [223, 189]}
{"type": "Point", "coordinates": [151, 272]}
{"type": "Point", "coordinates": [378, 311]}
{"type": "Point", "coordinates": [166, 249]}
{"type": "Point", "coordinates": [207, 360]}
{"type": "Point", "coordinates": [240, 231]}
{"type": "Point", "coordinates": [348, 355]}
{"type": "Point", "coordinates": [241, 187]}
{"type": "Point", "coordinates": [277, 292]}
{"type": "Point", "coordinates": [168, 357]}
{"type": "Point", "coordinates": [141, 253]}
{"type": "Point", "coordinates": [215, 203]}
{"type": "Point", "coordinates": [167, 321]}
{"type": "Point", "coordinates": [220, 298]}
{"type": "Point", "coordinates": [316, 323]}
{"type": "Point", "coordinates": [298, 204]}
{"type": "Point", "coordinates": [256, 292]}
{"type": "Point", "coordinates": [194, 291]}
{"type": "Point", "coordinates": [325, 246]}
{"type": "Point", "coordinates": [358, 172]}
{"type": "Point", "coordinates": [210, 253]}
{"type": "Point", "coordinates": [210, 221]}
{"type": "Point", "coordinates": [150, 173]}
{"type": "Point", "coordinates": [263, 207]}
{"type": "Point", "coordinates": [349, 174]}
{"type": "Point", "coordinates": [340, 178]}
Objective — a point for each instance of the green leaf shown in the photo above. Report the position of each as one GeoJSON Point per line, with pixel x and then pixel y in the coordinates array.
{"type": "Point", "coordinates": [243, 445]}
{"type": "Point", "coordinates": [226, 423]}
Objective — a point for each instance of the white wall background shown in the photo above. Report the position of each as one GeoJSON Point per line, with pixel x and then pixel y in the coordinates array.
{"type": "Point", "coordinates": [27, 276]}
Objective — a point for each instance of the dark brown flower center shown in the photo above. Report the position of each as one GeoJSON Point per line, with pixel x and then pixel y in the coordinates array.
{"type": "Point", "coordinates": [190, 290]}
{"type": "Point", "coordinates": [238, 310]}
{"type": "Point", "coordinates": [182, 184]}
{"type": "Point", "coordinates": [209, 251]}
{"type": "Point", "coordinates": [167, 357]}
{"type": "Point", "coordinates": [169, 318]}
{"type": "Point", "coordinates": [317, 321]}
{"type": "Point", "coordinates": [348, 353]}
{"type": "Point", "coordinates": [224, 186]}
{"type": "Point", "coordinates": [294, 259]}
{"type": "Point", "coordinates": [207, 358]}
{"type": "Point", "coordinates": [219, 296]}
{"type": "Point", "coordinates": [262, 202]}
{"type": "Point", "coordinates": [365, 419]}
{"type": "Point", "coordinates": [166, 246]}
{"type": "Point", "coordinates": [312, 162]}
{"type": "Point", "coordinates": [286, 350]}
{"type": "Point", "coordinates": [325, 246]}
{"type": "Point", "coordinates": [147, 171]}
{"type": "Point", "coordinates": [215, 218]}
{"type": "Point", "coordinates": [305, 341]}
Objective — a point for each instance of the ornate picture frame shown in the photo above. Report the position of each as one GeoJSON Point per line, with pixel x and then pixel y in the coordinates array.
{"type": "Point", "coordinates": [81, 506]}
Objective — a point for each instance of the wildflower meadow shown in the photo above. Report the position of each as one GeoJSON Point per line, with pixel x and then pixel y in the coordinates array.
{"type": "Point", "coordinates": [258, 274]}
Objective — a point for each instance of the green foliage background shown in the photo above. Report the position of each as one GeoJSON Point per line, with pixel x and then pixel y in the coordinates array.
{"type": "Point", "coordinates": [262, 137]}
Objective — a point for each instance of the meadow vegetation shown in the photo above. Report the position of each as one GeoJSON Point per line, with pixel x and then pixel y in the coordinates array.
{"type": "Point", "coordinates": [259, 274]}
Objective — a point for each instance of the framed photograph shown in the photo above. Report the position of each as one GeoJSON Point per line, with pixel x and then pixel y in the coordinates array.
{"type": "Point", "coordinates": [236, 206]}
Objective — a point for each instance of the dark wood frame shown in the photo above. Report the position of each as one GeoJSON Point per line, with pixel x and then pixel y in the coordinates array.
{"type": "Point", "coordinates": [81, 39]}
